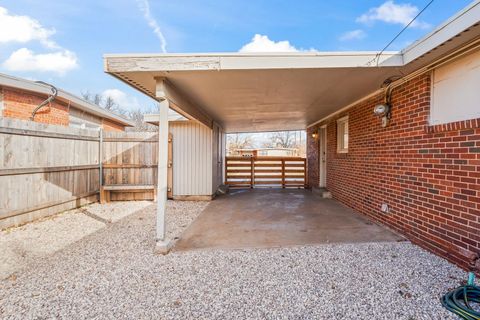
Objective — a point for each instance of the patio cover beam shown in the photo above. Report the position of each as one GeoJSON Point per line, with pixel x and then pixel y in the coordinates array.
{"type": "Point", "coordinates": [180, 103]}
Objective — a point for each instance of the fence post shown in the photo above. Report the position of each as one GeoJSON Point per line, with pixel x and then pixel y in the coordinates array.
{"type": "Point", "coordinates": [100, 157]}
{"type": "Point", "coordinates": [283, 173]}
{"type": "Point", "coordinates": [305, 175]}
{"type": "Point", "coordinates": [252, 172]}
{"type": "Point", "coordinates": [225, 178]}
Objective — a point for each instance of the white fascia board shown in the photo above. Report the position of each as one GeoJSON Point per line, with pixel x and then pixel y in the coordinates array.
{"type": "Point", "coordinates": [77, 102]}
{"type": "Point", "coordinates": [320, 60]}
{"type": "Point", "coordinates": [244, 61]}
{"type": "Point", "coordinates": [461, 21]}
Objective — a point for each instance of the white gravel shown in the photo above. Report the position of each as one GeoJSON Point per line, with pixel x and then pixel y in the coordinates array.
{"type": "Point", "coordinates": [32, 241]}
{"type": "Point", "coordinates": [114, 274]}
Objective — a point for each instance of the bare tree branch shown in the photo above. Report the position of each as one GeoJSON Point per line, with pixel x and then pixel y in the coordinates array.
{"type": "Point", "coordinates": [138, 117]}
{"type": "Point", "coordinates": [239, 141]}
{"type": "Point", "coordinates": [283, 139]}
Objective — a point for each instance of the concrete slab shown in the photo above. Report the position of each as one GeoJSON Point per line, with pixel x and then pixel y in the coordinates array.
{"type": "Point", "coordinates": [278, 217]}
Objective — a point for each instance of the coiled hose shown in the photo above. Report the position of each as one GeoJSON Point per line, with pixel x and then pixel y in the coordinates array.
{"type": "Point", "coordinates": [459, 301]}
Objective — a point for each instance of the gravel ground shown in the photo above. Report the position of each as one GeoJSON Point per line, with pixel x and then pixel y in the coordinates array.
{"type": "Point", "coordinates": [114, 274]}
{"type": "Point", "coordinates": [23, 245]}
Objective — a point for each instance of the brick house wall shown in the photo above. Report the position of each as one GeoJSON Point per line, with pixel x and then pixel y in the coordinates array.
{"type": "Point", "coordinates": [428, 175]}
{"type": "Point", "coordinates": [19, 104]}
{"type": "Point", "coordinates": [112, 126]}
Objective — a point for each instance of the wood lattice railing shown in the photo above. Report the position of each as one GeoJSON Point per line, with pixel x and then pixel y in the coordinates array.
{"type": "Point", "coordinates": [250, 172]}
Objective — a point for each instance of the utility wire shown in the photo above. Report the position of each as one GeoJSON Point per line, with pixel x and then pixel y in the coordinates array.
{"type": "Point", "coordinates": [377, 56]}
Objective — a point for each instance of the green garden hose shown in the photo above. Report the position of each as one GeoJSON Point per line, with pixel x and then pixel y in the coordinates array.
{"type": "Point", "coordinates": [459, 301]}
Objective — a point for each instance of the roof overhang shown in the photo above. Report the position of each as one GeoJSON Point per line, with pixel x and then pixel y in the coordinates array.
{"type": "Point", "coordinates": [286, 91]}
{"type": "Point", "coordinates": [66, 97]}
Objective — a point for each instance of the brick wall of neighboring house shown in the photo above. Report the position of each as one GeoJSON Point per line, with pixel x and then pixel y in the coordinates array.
{"type": "Point", "coordinates": [428, 175]}
{"type": "Point", "coordinates": [20, 104]}
{"type": "Point", "coordinates": [112, 126]}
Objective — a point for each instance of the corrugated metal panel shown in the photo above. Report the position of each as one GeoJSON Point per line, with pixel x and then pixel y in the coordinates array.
{"type": "Point", "coordinates": [192, 159]}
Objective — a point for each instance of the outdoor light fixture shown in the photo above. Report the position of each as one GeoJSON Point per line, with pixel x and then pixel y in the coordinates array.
{"type": "Point", "coordinates": [314, 135]}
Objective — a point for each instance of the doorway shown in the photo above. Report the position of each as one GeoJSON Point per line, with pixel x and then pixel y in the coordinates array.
{"type": "Point", "coordinates": [322, 152]}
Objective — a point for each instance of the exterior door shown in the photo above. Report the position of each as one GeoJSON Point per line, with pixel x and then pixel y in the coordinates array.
{"type": "Point", "coordinates": [220, 155]}
{"type": "Point", "coordinates": [322, 156]}
{"type": "Point", "coordinates": [217, 145]}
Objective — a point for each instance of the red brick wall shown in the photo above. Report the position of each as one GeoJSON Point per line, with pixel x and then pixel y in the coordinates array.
{"type": "Point", "coordinates": [20, 104]}
{"type": "Point", "coordinates": [112, 126]}
{"type": "Point", "coordinates": [428, 175]}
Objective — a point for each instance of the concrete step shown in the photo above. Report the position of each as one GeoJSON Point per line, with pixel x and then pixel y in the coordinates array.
{"type": "Point", "coordinates": [322, 192]}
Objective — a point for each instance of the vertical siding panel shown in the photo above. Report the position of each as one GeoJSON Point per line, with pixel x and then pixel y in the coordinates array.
{"type": "Point", "coordinates": [209, 161]}
{"type": "Point", "coordinates": [206, 176]}
{"type": "Point", "coordinates": [192, 156]}
{"type": "Point", "coordinates": [202, 134]}
{"type": "Point", "coordinates": [191, 142]}
{"type": "Point", "coordinates": [196, 147]}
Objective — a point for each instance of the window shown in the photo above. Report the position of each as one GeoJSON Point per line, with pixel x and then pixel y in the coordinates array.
{"type": "Point", "coordinates": [342, 135]}
{"type": "Point", "coordinates": [455, 93]}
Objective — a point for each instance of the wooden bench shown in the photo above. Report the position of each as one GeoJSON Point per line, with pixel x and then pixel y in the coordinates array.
{"type": "Point", "coordinates": [107, 189]}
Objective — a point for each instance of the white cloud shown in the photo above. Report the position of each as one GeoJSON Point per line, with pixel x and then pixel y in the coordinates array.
{"type": "Point", "coordinates": [261, 43]}
{"type": "Point", "coordinates": [26, 60]}
{"type": "Point", "coordinates": [353, 35]}
{"type": "Point", "coordinates": [122, 99]}
{"type": "Point", "coordinates": [23, 29]}
{"type": "Point", "coordinates": [390, 12]}
{"type": "Point", "coordinates": [144, 6]}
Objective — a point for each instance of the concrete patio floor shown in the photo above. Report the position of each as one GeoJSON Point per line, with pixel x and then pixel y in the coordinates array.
{"type": "Point", "coordinates": [261, 218]}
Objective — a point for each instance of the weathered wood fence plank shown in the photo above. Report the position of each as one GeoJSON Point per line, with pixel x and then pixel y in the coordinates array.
{"type": "Point", "coordinates": [45, 169]}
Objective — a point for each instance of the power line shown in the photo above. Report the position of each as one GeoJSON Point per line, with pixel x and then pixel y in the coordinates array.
{"type": "Point", "coordinates": [377, 56]}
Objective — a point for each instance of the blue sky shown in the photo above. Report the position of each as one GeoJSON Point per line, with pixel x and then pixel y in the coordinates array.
{"type": "Point", "coordinates": [62, 42]}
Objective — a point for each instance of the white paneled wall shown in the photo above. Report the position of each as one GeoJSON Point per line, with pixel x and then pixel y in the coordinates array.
{"type": "Point", "coordinates": [192, 159]}
{"type": "Point", "coordinates": [455, 90]}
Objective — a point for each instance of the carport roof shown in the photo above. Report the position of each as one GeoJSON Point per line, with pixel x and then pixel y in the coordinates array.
{"type": "Point", "coordinates": [284, 91]}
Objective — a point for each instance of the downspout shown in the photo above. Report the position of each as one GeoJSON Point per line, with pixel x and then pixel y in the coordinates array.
{"type": "Point", "coordinates": [48, 101]}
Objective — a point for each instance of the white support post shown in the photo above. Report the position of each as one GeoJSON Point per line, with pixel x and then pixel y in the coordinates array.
{"type": "Point", "coordinates": [162, 243]}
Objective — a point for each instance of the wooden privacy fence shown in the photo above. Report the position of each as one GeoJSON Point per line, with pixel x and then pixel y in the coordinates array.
{"type": "Point", "coordinates": [129, 165]}
{"type": "Point", "coordinates": [46, 169]}
{"type": "Point", "coordinates": [250, 172]}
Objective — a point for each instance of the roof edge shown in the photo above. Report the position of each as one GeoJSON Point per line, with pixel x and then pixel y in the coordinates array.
{"type": "Point", "coordinates": [462, 20]}
{"type": "Point", "coordinates": [76, 102]}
